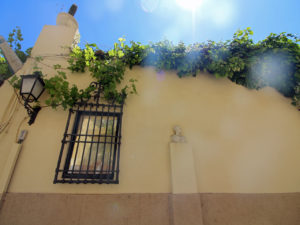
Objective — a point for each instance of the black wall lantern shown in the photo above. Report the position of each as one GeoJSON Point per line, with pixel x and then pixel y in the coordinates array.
{"type": "Point", "coordinates": [32, 86]}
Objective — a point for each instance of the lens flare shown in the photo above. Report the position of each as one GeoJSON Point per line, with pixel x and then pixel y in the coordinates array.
{"type": "Point", "coordinates": [190, 5]}
{"type": "Point", "coordinates": [272, 69]}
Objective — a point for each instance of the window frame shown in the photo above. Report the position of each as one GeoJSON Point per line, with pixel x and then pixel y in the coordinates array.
{"type": "Point", "coordinates": [73, 119]}
{"type": "Point", "coordinates": [113, 150]}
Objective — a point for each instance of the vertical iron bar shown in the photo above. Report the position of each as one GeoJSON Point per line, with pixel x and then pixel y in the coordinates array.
{"type": "Point", "coordinates": [92, 142]}
{"type": "Point", "coordinates": [119, 142]}
{"type": "Point", "coordinates": [101, 119]}
{"type": "Point", "coordinates": [104, 149]}
{"type": "Point", "coordinates": [79, 136]}
{"type": "Point", "coordinates": [83, 151]}
{"type": "Point", "coordinates": [116, 148]}
{"type": "Point", "coordinates": [110, 170]}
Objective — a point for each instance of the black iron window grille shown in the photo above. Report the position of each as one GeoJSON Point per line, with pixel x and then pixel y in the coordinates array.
{"type": "Point", "coordinates": [90, 150]}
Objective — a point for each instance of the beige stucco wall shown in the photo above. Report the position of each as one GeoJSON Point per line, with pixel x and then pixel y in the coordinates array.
{"type": "Point", "coordinates": [12, 116]}
{"type": "Point", "coordinates": [243, 141]}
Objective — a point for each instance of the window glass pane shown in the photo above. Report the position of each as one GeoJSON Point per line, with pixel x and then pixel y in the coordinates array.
{"type": "Point", "coordinates": [94, 145]}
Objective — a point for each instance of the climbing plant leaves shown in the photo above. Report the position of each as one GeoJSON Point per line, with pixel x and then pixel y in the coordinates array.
{"type": "Point", "coordinates": [274, 62]}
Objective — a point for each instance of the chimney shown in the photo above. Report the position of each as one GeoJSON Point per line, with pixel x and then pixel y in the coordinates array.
{"type": "Point", "coordinates": [73, 10]}
{"type": "Point", "coordinates": [12, 59]}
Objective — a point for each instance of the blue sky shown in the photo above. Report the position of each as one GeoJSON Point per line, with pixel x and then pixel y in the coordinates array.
{"type": "Point", "coordinates": [104, 21]}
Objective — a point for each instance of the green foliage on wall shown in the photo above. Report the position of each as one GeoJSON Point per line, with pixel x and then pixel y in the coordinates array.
{"type": "Point", "coordinates": [274, 62]}
{"type": "Point", "coordinates": [60, 92]}
{"type": "Point", "coordinates": [109, 68]}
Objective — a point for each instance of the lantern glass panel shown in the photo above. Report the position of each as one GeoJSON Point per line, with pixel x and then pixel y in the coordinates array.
{"type": "Point", "coordinates": [37, 89]}
{"type": "Point", "coordinates": [27, 85]}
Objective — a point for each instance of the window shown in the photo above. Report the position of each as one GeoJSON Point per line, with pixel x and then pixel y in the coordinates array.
{"type": "Point", "coordinates": [91, 145]}
{"type": "Point", "coordinates": [92, 151]}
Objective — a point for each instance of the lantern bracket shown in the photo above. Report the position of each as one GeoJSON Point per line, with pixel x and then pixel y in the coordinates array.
{"type": "Point", "coordinates": [32, 112]}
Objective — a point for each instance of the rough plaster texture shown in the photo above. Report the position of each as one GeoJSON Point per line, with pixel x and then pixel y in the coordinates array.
{"type": "Point", "coordinates": [150, 209]}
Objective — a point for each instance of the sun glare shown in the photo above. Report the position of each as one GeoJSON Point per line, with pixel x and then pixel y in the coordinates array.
{"type": "Point", "coordinates": [190, 5]}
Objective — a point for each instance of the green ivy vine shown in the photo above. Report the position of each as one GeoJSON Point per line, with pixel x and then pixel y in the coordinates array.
{"type": "Point", "coordinates": [107, 68]}
{"type": "Point", "coordinates": [274, 62]}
